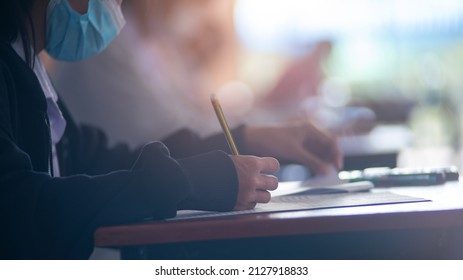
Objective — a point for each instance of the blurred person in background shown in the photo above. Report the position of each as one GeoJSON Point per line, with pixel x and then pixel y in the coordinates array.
{"type": "Point", "coordinates": [157, 76]}
{"type": "Point", "coordinates": [165, 64]}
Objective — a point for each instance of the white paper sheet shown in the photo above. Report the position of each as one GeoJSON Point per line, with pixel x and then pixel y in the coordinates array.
{"type": "Point", "coordinates": [311, 202]}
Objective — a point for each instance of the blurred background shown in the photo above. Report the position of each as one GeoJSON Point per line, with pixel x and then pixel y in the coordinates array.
{"type": "Point", "coordinates": [384, 75]}
{"type": "Point", "coordinates": [395, 63]}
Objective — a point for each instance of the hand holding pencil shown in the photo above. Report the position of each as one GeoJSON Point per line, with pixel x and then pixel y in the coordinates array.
{"type": "Point", "coordinates": [253, 172]}
{"type": "Point", "coordinates": [297, 142]}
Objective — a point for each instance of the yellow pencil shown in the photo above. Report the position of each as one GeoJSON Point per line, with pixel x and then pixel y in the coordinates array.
{"type": "Point", "coordinates": [223, 124]}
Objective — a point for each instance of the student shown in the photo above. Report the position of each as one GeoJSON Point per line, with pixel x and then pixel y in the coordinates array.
{"type": "Point", "coordinates": [59, 181]}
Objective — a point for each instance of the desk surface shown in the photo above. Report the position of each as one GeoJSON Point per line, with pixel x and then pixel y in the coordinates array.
{"type": "Point", "coordinates": [445, 210]}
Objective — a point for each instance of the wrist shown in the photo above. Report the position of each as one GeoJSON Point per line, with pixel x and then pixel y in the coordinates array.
{"type": "Point", "coordinates": [213, 182]}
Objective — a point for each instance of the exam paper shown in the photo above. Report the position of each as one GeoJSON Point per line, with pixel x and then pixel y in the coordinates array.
{"type": "Point", "coordinates": [311, 202]}
{"type": "Point", "coordinates": [310, 187]}
{"type": "Point", "coordinates": [329, 183]}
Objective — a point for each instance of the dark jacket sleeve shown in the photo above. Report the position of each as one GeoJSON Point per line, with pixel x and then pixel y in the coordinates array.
{"type": "Point", "coordinates": [209, 171]}
{"type": "Point", "coordinates": [54, 218]}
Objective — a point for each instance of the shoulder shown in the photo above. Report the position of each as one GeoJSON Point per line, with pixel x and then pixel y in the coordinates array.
{"type": "Point", "coordinates": [19, 79]}
{"type": "Point", "coordinates": [6, 77]}
{"type": "Point", "coordinates": [10, 62]}
{"type": "Point", "coordinates": [3, 58]}
{"type": "Point", "coordinates": [6, 52]}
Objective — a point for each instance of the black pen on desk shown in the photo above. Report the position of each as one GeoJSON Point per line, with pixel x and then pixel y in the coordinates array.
{"type": "Point", "coordinates": [223, 123]}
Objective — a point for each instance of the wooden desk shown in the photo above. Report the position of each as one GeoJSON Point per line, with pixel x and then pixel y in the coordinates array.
{"type": "Point", "coordinates": [423, 230]}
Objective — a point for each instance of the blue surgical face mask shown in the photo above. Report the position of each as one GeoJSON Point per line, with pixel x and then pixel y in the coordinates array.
{"type": "Point", "coordinates": [72, 36]}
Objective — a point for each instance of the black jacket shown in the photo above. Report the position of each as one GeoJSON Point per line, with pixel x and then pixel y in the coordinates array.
{"type": "Point", "coordinates": [43, 217]}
